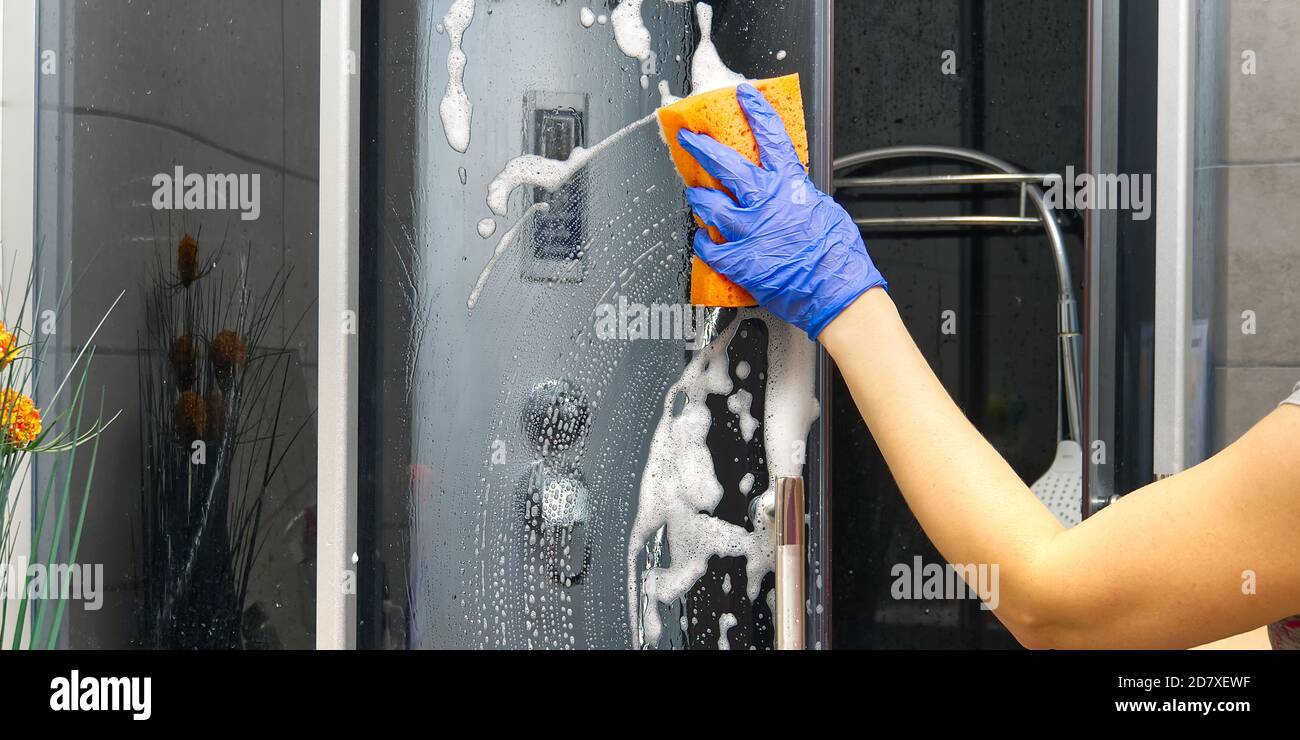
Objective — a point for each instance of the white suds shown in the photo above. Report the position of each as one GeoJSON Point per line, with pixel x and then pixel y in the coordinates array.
{"type": "Point", "coordinates": [487, 227]}
{"type": "Point", "coordinates": [678, 484]}
{"type": "Point", "coordinates": [666, 96]}
{"type": "Point", "coordinates": [630, 33]}
{"type": "Point", "coordinates": [645, 82]}
{"type": "Point", "coordinates": [707, 70]}
{"type": "Point", "coordinates": [738, 403]}
{"type": "Point", "coordinates": [780, 55]}
{"type": "Point", "coordinates": [455, 109]}
{"type": "Point", "coordinates": [602, 19]}
{"type": "Point", "coordinates": [742, 369]}
{"type": "Point", "coordinates": [501, 248]}
{"type": "Point", "coordinates": [726, 583]}
{"type": "Point", "coordinates": [586, 17]}
{"type": "Point", "coordinates": [629, 30]}
{"type": "Point", "coordinates": [725, 622]}
{"type": "Point", "coordinates": [542, 172]}
{"type": "Point", "coordinates": [746, 483]}
{"type": "Point", "coordinates": [790, 404]}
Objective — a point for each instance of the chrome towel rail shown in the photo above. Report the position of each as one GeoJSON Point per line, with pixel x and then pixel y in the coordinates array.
{"type": "Point", "coordinates": [1069, 339]}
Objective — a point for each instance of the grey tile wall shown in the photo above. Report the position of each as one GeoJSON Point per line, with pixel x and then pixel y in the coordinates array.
{"type": "Point", "coordinates": [1253, 230]}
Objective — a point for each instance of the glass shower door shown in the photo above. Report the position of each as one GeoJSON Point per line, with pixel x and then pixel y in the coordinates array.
{"type": "Point", "coordinates": [552, 455]}
{"type": "Point", "coordinates": [174, 218]}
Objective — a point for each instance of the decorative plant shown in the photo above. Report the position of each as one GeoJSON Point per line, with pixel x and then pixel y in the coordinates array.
{"type": "Point", "coordinates": [24, 436]}
{"type": "Point", "coordinates": [212, 398]}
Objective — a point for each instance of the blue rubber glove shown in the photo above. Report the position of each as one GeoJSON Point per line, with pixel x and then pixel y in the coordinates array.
{"type": "Point", "coordinates": [789, 244]}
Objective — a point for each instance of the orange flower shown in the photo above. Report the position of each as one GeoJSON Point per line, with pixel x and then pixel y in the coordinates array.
{"type": "Point", "coordinates": [229, 354]}
{"type": "Point", "coordinates": [8, 346]}
{"type": "Point", "coordinates": [19, 417]}
{"type": "Point", "coordinates": [187, 259]}
{"type": "Point", "coordinates": [191, 416]}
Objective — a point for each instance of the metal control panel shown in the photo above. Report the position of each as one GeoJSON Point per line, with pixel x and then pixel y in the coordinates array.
{"type": "Point", "coordinates": [554, 125]}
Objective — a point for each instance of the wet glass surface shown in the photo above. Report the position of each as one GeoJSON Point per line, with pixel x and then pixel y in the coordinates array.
{"type": "Point", "coordinates": [518, 455]}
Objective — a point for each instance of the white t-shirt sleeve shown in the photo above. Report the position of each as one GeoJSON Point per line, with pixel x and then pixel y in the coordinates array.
{"type": "Point", "coordinates": [1295, 397]}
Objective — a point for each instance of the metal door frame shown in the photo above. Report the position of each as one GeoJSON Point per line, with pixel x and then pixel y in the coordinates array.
{"type": "Point", "coordinates": [1175, 195]}
{"type": "Point", "coordinates": [819, 587]}
{"type": "Point", "coordinates": [339, 247]}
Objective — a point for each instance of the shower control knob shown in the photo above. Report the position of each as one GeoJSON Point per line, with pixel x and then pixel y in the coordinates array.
{"type": "Point", "coordinates": [555, 504]}
{"type": "Point", "coordinates": [555, 415]}
{"type": "Point", "coordinates": [565, 500]}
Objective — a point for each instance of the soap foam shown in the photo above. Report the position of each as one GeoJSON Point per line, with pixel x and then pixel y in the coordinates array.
{"type": "Point", "coordinates": [790, 404]}
{"type": "Point", "coordinates": [586, 17]}
{"type": "Point", "coordinates": [487, 227]}
{"type": "Point", "coordinates": [725, 622]}
{"type": "Point", "coordinates": [551, 174]}
{"type": "Point", "coordinates": [455, 109]}
{"type": "Point", "coordinates": [738, 403]}
{"type": "Point", "coordinates": [708, 72]}
{"type": "Point", "coordinates": [678, 483]}
{"type": "Point", "coordinates": [746, 483]}
{"type": "Point", "coordinates": [630, 33]}
{"type": "Point", "coordinates": [666, 96]}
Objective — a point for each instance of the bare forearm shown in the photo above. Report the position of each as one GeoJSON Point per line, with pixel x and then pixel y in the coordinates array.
{"type": "Point", "coordinates": [1162, 568]}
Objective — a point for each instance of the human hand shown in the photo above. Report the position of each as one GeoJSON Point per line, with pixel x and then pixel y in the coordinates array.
{"type": "Point", "coordinates": [789, 244]}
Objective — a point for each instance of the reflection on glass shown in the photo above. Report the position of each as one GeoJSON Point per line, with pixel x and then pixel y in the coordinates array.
{"type": "Point", "coordinates": [214, 436]}
{"type": "Point", "coordinates": [177, 154]}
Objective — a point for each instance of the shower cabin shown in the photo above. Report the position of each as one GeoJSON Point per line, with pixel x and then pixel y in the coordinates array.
{"type": "Point", "coordinates": [538, 470]}
{"type": "Point", "coordinates": [526, 480]}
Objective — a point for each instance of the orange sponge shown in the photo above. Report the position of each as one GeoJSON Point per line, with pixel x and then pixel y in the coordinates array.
{"type": "Point", "coordinates": [718, 114]}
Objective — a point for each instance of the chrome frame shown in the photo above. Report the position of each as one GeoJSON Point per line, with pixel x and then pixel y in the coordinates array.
{"type": "Point", "coordinates": [791, 564]}
{"type": "Point", "coordinates": [1175, 193]}
{"type": "Point", "coordinates": [336, 462]}
{"type": "Point", "coordinates": [818, 587]}
{"type": "Point", "coordinates": [1099, 255]}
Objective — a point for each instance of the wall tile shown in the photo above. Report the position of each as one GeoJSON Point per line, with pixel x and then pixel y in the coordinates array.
{"type": "Point", "coordinates": [1263, 113]}
{"type": "Point", "coordinates": [1244, 395]}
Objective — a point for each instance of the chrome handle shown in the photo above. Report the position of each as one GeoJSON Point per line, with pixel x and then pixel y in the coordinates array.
{"type": "Point", "coordinates": [790, 563]}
